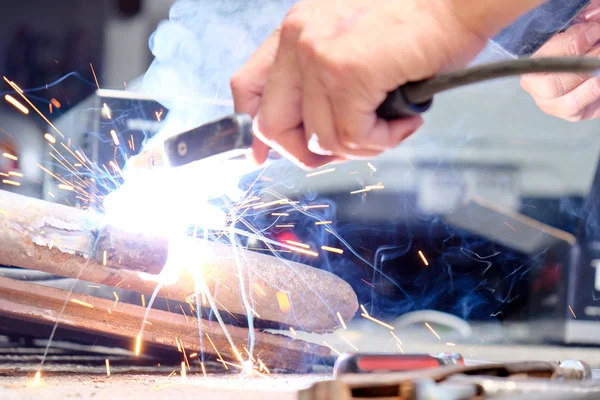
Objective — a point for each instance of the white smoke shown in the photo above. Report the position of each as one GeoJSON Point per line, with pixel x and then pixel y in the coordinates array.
{"type": "Point", "coordinates": [199, 48]}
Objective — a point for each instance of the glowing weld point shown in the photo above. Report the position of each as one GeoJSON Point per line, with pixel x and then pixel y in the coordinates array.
{"type": "Point", "coordinates": [36, 379]}
{"type": "Point", "coordinates": [82, 303]}
{"type": "Point", "coordinates": [138, 344]}
{"type": "Point", "coordinates": [341, 320]}
{"type": "Point", "coordinates": [423, 258]}
{"type": "Point", "coordinates": [68, 188]}
{"type": "Point", "coordinates": [334, 350]}
{"type": "Point", "coordinates": [284, 301]}
{"type": "Point", "coordinates": [107, 367]}
{"type": "Point", "coordinates": [114, 136]}
{"type": "Point", "coordinates": [332, 249]}
{"type": "Point", "coordinates": [432, 331]}
{"type": "Point", "coordinates": [16, 104]}
{"type": "Point", "coordinates": [9, 182]}
{"type": "Point", "coordinates": [10, 156]}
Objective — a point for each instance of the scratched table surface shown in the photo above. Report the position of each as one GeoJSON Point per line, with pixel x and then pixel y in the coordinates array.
{"type": "Point", "coordinates": [75, 377]}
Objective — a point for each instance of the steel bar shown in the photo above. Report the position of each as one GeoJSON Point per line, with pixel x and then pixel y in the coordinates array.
{"type": "Point", "coordinates": [41, 304]}
{"type": "Point", "coordinates": [60, 240]}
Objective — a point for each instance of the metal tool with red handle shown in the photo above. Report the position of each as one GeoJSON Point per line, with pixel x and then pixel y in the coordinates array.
{"type": "Point", "coordinates": [361, 363]}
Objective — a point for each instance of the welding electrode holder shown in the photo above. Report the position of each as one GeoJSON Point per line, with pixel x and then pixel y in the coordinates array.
{"type": "Point", "coordinates": [398, 106]}
{"type": "Point", "coordinates": [223, 139]}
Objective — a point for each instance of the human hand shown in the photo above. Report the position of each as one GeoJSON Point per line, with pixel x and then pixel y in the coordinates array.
{"type": "Point", "coordinates": [314, 86]}
{"type": "Point", "coordinates": [572, 97]}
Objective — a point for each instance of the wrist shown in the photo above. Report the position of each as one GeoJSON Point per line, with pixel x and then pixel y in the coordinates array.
{"type": "Point", "coordinates": [486, 18]}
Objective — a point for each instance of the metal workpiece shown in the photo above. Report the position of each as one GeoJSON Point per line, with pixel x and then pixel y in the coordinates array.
{"type": "Point", "coordinates": [575, 369]}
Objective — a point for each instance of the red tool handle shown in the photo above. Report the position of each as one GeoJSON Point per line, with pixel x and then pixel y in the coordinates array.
{"type": "Point", "coordinates": [361, 363]}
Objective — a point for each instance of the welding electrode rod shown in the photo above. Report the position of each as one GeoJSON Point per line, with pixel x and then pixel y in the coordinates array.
{"type": "Point", "coordinates": [423, 91]}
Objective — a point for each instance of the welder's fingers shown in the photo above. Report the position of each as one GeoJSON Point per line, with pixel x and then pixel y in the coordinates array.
{"type": "Point", "coordinates": [576, 105]}
{"type": "Point", "coordinates": [279, 118]}
{"type": "Point", "coordinates": [579, 40]}
{"type": "Point", "coordinates": [248, 84]}
{"type": "Point", "coordinates": [591, 12]}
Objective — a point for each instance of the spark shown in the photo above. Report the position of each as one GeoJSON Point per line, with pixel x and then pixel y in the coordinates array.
{"type": "Point", "coordinates": [68, 188]}
{"type": "Point", "coordinates": [326, 171]}
{"type": "Point", "coordinates": [132, 143]}
{"type": "Point", "coordinates": [55, 102]}
{"type": "Point", "coordinates": [396, 337]}
{"type": "Point", "coordinates": [360, 191]}
{"type": "Point", "coordinates": [51, 195]}
{"type": "Point", "coordinates": [95, 77]}
{"type": "Point", "coordinates": [106, 110]}
{"type": "Point", "coordinates": [4, 175]}
{"type": "Point", "coordinates": [10, 156]}
{"type": "Point", "coordinates": [323, 222]}
{"type": "Point", "coordinates": [259, 289]}
{"type": "Point", "coordinates": [572, 312]}
{"type": "Point", "coordinates": [280, 214]}
{"type": "Point", "coordinates": [377, 321]}
{"type": "Point", "coordinates": [82, 303]}
{"type": "Point", "coordinates": [303, 251]}
{"type": "Point", "coordinates": [9, 182]}
{"type": "Point", "coordinates": [203, 369]}
{"type": "Point", "coordinates": [432, 331]}
{"type": "Point", "coordinates": [16, 104]}
{"type": "Point", "coordinates": [271, 203]}
{"type": "Point", "coordinates": [285, 226]}
{"type": "Point", "coordinates": [50, 138]}
{"type": "Point", "coordinates": [450, 344]}
{"type": "Point", "coordinates": [138, 344]}
{"type": "Point", "coordinates": [334, 350]}
{"type": "Point", "coordinates": [263, 366]}
{"type": "Point", "coordinates": [114, 136]}
{"type": "Point", "coordinates": [94, 286]}
{"type": "Point", "coordinates": [364, 309]}
{"type": "Point", "coordinates": [347, 341]}
{"type": "Point", "coordinates": [510, 226]}
{"type": "Point", "coordinates": [217, 351]}
{"type": "Point", "coordinates": [18, 89]}
{"type": "Point", "coordinates": [36, 379]}
{"type": "Point", "coordinates": [423, 258]}
{"type": "Point", "coordinates": [249, 355]}
{"type": "Point", "coordinates": [284, 301]}
{"type": "Point", "coordinates": [293, 331]}
{"type": "Point", "coordinates": [332, 249]}
{"type": "Point", "coordinates": [143, 301]}
{"type": "Point", "coordinates": [372, 167]}
{"type": "Point", "coordinates": [110, 312]}
{"type": "Point", "coordinates": [316, 206]}
{"type": "Point", "coordinates": [341, 320]}
{"type": "Point", "coordinates": [400, 347]}
{"type": "Point", "coordinates": [116, 298]}
{"type": "Point", "coordinates": [297, 244]}
{"type": "Point", "coordinates": [107, 367]}
{"type": "Point", "coordinates": [183, 372]}
{"type": "Point", "coordinates": [158, 115]}
{"type": "Point", "coordinates": [375, 187]}
{"type": "Point", "coordinates": [17, 174]}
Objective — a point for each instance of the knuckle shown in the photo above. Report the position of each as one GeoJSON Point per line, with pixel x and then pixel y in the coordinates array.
{"type": "Point", "coordinates": [594, 87]}
{"type": "Point", "coordinates": [294, 20]}
{"type": "Point", "coordinates": [574, 45]}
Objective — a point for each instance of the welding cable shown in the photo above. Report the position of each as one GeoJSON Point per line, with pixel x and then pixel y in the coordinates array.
{"type": "Point", "coordinates": [435, 317]}
{"type": "Point", "coordinates": [423, 91]}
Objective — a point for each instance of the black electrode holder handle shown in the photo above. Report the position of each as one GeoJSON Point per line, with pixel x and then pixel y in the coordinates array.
{"type": "Point", "coordinates": [397, 104]}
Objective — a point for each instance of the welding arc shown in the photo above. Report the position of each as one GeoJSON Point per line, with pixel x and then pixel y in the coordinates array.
{"type": "Point", "coordinates": [423, 91]}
